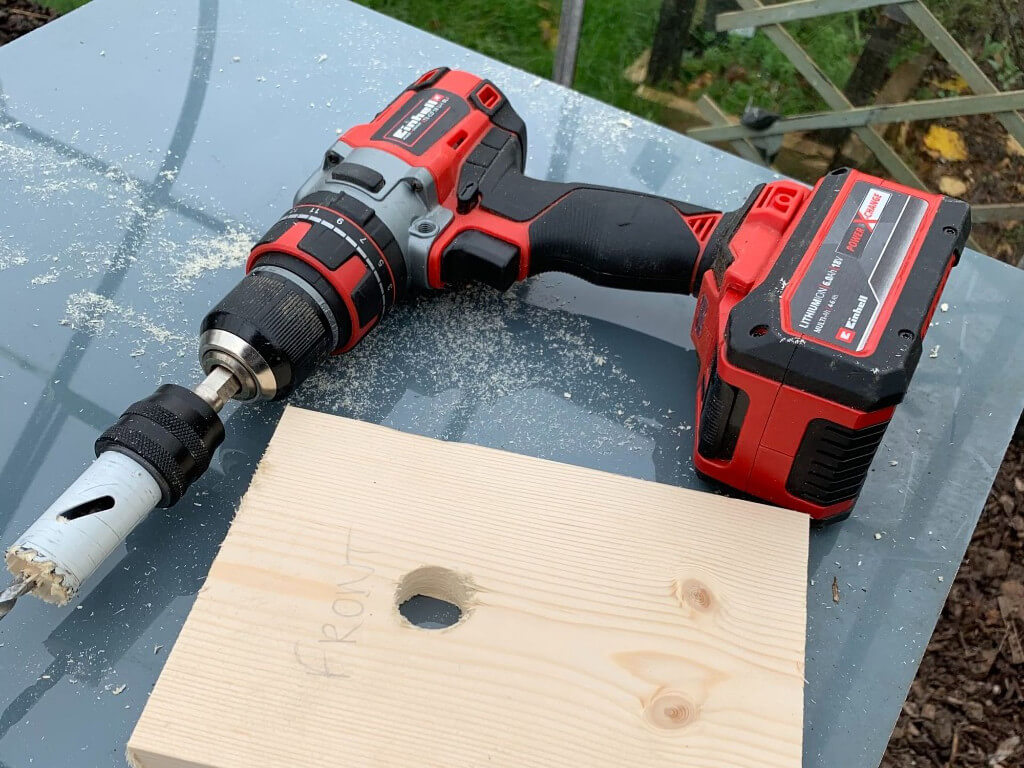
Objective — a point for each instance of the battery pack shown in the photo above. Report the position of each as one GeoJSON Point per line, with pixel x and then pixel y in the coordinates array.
{"type": "Point", "coordinates": [809, 327]}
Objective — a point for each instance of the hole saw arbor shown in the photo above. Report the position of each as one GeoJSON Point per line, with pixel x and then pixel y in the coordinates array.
{"type": "Point", "coordinates": [606, 621]}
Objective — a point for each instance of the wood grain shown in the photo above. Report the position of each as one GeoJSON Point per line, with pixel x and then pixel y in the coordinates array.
{"type": "Point", "coordinates": [607, 621]}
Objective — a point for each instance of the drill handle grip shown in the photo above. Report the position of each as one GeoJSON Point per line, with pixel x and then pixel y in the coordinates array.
{"type": "Point", "coordinates": [615, 238]}
{"type": "Point", "coordinates": [611, 237]}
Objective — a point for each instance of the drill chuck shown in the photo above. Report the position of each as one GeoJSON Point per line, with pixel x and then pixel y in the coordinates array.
{"type": "Point", "coordinates": [270, 331]}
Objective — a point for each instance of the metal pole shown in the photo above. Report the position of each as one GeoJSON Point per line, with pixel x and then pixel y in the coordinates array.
{"type": "Point", "coordinates": [570, 25]}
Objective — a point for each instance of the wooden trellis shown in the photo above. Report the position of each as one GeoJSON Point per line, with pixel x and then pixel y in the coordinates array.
{"type": "Point", "coordinates": [987, 98]}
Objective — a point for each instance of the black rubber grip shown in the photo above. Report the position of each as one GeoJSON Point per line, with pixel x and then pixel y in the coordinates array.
{"type": "Point", "coordinates": [283, 322]}
{"type": "Point", "coordinates": [615, 238]}
{"type": "Point", "coordinates": [173, 433]}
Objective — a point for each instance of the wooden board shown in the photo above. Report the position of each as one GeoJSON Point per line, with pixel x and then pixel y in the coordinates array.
{"type": "Point", "coordinates": [607, 621]}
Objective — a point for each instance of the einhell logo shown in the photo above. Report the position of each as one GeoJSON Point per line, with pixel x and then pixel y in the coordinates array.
{"type": "Point", "coordinates": [412, 126]}
{"type": "Point", "coordinates": [863, 223]}
{"type": "Point", "coordinates": [848, 332]}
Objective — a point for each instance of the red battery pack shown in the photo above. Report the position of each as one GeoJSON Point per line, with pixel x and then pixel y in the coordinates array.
{"type": "Point", "coordinates": [809, 325]}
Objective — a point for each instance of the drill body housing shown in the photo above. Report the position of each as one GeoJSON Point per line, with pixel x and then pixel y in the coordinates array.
{"type": "Point", "coordinates": [811, 303]}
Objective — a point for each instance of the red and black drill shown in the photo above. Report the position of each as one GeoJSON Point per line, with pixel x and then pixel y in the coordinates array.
{"type": "Point", "coordinates": [812, 305]}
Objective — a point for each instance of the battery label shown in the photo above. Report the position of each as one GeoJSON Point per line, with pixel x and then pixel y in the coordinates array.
{"type": "Point", "coordinates": [840, 297]}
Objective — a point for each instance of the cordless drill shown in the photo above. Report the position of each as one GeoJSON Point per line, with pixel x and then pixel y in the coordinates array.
{"type": "Point", "coordinates": [812, 305]}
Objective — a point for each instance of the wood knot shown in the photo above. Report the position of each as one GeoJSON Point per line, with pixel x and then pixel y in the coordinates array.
{"type": "Point", "coordinates": [670, 710]}
{"type": "Point", "coordinates": [696, 594]}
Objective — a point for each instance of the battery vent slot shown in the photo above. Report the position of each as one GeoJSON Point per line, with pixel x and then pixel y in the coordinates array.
{"type": "Point", "coordinates": [832, 462]}
{"type": "Point", "coordinates": [702, 225]}
{"type": "Point", "coordinates": [721, 418]}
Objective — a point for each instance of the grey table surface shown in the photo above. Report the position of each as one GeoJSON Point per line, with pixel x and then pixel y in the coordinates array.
{"type": "Point", "coordinates": [143, 146]}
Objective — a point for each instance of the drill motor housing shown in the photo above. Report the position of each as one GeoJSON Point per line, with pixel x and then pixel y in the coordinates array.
{"type": "Point", "coordinates": [811, 308]}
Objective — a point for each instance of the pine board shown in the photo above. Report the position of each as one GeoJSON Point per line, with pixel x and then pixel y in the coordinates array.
{"type": "Point", "coordinates": [607, 621]}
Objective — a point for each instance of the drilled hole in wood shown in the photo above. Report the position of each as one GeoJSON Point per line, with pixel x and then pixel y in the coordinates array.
{"type": "Point", "coordinates": [91, 507]}
{"type": "Point", "coordinates": [433, 598]}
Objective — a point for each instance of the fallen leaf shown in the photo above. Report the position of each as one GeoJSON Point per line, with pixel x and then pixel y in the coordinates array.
{"type": "Point", "coordinates": [548, 33]}
{"type": "Point", "coordinates": [1013, 147]}
{"type": "Point", "coordinates": [1010, 602]}
{"type": "Point", "coordinates": [1004, 751]}
{"type": "Point", "coordinates": [955, 84]}
{"type": "Point", "coordinates": [952, 186]}
{"type": "Point", "coordinates": [974, 710]}
{"type": "Point", "coordinates": [902, 134]}
{"type": "Point", "coordinates": [835, 590]}
{"type": "Point", "coordinates": [1013, 589]}
{"type": "Point", "coordinates": [734, 73]}
{"type": "Point", "coordinates": [703, 80]}
{"type": "Point", "coordinates": [945, 143]}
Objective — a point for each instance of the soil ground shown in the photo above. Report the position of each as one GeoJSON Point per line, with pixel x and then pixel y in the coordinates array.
{"type": "Point", "coordinates": [991, 172]}
{"type": "Point", "coordinates": [966, 707]}
{"type": "Point", "coordinates": [20, 16]}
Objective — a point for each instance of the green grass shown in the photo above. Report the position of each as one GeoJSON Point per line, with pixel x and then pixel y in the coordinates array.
{"type": "Point", "coordinates": [62, 6]}
{"type": "Point", "coordinates": [523, 33]}
{"type": "Point", "coordinates": [755, 69]}
{"type": "Point", "coordinates": [510, 32]}
{"type": "Point", "coordinates": [615, 32]}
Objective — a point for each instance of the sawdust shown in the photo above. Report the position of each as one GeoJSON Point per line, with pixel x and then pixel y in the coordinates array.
{"type": "Point", "coordinates": [90, 312]}
{"type": "Point", "coordinates": [45, 176]}
{"type": "Point", "coordinates": [45, 279]}
{"type": "Point", "coordinates": [483, 343]}
{"type": "Point", "coordinates": [205, 253]}
{"type": "Point", "coordinates": [50, 584]}
{"type": "Point", "coordinates": [53, 179]}
{"type": "Point", "coordinates": [10, 258]}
